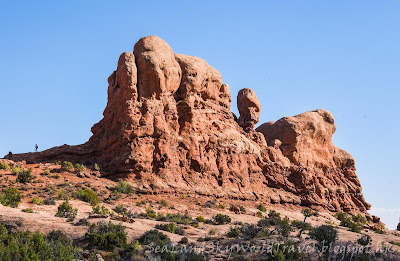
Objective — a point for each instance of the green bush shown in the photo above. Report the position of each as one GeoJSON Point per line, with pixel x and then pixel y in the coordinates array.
{"type": "Point", "coordinates": [36, 246]}
{"type": "Point", "coordinates": [308, 213]}
{"type": "Point", "coordinates": [27, 210]}
{"type": "Point", "coordinates": [96, 167]}
{"type": "Point", "coordinates": [364, 240]}
{"type": "Point", "coordinates": [261, 208]}
{"type": "Point", "coordinates": [233, 232]}
{"type": "Point", "coordinates": [102, 210]}
{"type": "Point", "coordinates": [79, 167]}
{"type": "Point", "coordinates": [124, 187]}
{"type": "Point", "coordinates": [15, 170]}
{"type": "Point", "coordinates": [354, 223]}
{"type": "Point", "coordinates": [154, 236]}
{"type": "Point", "coordinates": [324, 235]}
{"type": "Point", "coordinates": [37, 201]}
{"type": "Point", "coordinates": [45, 173]}
{"type": "Point", "coordinates": [88, 195]}
{"type": "Point", "coordinates": [221, 219]}
{"type": "Point", "coordinates": [284, 252]}
{"type": "Point", "coordinates": [10, 197]}
{"type": "Point", "coordinates": [171, 227]}
{"type": "Point", "coordinates": [163, 203]}
{"type": "Point", "coordinates": [25, 176]}
{"type": "Point", "coordinates": [221, 206]}
{"type": "Point", "coordinates": [4, 165]}
{"type": "Point", "coordinates": [184, 240]}
{"type": "Point", "coordinates": [66, 210]}
{"type": "Point", "coordinates": [66, 165]}
{"type": "Point", "coordinates": [123, 210]}
{"type": "Point", "coordinates": [200, 219]}
{"type": "Point", "coordinates": [61, 195]}
{"type": "Point", "coordinates": [301, 226]}
{"type": "Point", "coordinates": [106, 236]}
{"type": "Point", "coordinates": [283, 227]}
{"type": "Point", "coordinates": [49, 201]}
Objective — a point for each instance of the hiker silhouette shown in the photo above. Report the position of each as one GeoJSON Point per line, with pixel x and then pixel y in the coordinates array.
{"type": "Point", "coordinates": [36, 147]}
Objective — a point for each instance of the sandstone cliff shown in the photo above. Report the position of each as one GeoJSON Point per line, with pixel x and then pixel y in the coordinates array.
{"type": "Point", "coordinates": [168, 128]}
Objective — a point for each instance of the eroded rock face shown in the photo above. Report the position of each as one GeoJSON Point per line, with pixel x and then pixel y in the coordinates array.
{"type": "Point", "coordinates": [168, 128]}
{"type": "Point", "coordinates": [158, 70]}
{"type": "Point", "coordinates": [249, 108]}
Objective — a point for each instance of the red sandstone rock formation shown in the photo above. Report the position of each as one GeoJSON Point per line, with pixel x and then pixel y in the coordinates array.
{"type": "Point", "coordinates": [168, 127]}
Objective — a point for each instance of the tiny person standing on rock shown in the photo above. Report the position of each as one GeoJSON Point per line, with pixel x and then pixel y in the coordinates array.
{"type": "Point", "coordinates": [36, 147]}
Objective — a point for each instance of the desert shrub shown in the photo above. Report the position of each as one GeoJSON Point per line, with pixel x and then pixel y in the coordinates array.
{"type": "Point", "coordinates": [171, 227]}
{"type": "Point", "coordinates": [259, 214]}
{"type": "Point", "coordinates": [261, 208]}
{"type": "Point", "coordinates": [49, 201]}
{"type": "Point", "coordinates": [25, 176]}
{"type": "Point", "coordinates": [88, 195]}
{"type": "Point", "coordinates": [123, 187]}
{"type": "Point", "coordinates": [35, 246]}
{"type": "Point", "coordinates": [123, 210]}
{"type": "Point", "coordinates": [221, 219]}
{"type": "Point", "coordinates": [154, 236]}
{"type": "Point", "coordinates": [163, 203]}
{"type": "Point", "coordinates": [301, 226]}
{"type": "Point", "coordinates": [308, 213]}
{"type": "Point", "coordinates": [37, 201]}
{"type": "Point", "coordinates": [15, 170]}
{"type": "Point", "coordinates": [139, 203]}
{"type": "Point", "coordinates": [233, 232]}
{"type": "Point", "coordinates": [242, 209]}
{"type": "Point", "coordinates": [79, 167]}
{"type": "Point", "coordinates": [102, 210]}
{"type": "Point", "coordinates": [184, 240]}
{"type": "Point", "coordinates": [66, 210]}
{"type": "Point", "coordinates": [185, 219]}
{"type": "Point", "coordinates": [324, 235]}
{"type": "Point", "coordinates": [96, 167]}
{"type": "Point", "coordinates": [61, 195]}
{"type": "Point", "coordinates": [283, 227]}
{"type": "Point", "coordinates": [66, 165]}
{"type": "Point", "coordinates": [82, 222]}
{"type": "Point", "coordinates": [284, 252]}
{"type": "Point", "coordinates": [180, 230]}
{"type": "Point", "coordinates": [359, 219]}
{"type": "Point", "coordinates": [130, 252]}
{"type": "Point", "coordinates": [354, 223]}
{"type": "Point", "coordinates": [4, 165]}
{"type": "Point", "coordinates": [221, 206]}
{"type": "Point", "coordinates": [106, 236]}
{"type": "Point", "coordinates": [200, 219]}
{"type": "Point", "coordinates": [212, 232]}
{"type": "Point", "coordinates": [194, 257]}
{"type": "Point", "coordinates": [364, 240]}
{"type": "Point", "coordinates": [27, 210]}
{"type": "Point", "coordinates": [10, 197]}
{"type": "Point", "coordinates": [45, 173]}
{"type": "Point", "coordinates": [274, 214]}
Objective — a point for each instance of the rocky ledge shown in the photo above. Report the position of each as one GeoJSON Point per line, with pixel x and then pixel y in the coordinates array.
{"type": "Point", "coordinates": [168, 128]}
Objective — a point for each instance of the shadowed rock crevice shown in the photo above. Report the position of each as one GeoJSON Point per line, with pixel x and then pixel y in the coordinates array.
{"type": "Point", "coordinates": [167, 127]}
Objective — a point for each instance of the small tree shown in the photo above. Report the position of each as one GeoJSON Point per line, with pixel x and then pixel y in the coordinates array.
{"type": "Point", "coordinates": [67, 211]}
{"type": "Point", "coordinates": [10, 197]}
{"type": "Point", "coordinates": [308, 213]}
{"type": "Point", "coordinates": [324, 235]}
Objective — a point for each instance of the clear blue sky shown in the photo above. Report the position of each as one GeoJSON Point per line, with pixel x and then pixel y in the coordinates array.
{"type": "Point", "coordinates": [343, 56]}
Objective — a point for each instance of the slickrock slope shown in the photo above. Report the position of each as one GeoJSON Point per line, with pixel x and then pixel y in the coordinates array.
{"type": "Point", "coordinates": [168, 127]}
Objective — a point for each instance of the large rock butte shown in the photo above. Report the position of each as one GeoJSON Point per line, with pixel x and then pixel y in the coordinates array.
{"type": "Point", "coordinates": [168, 128]}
